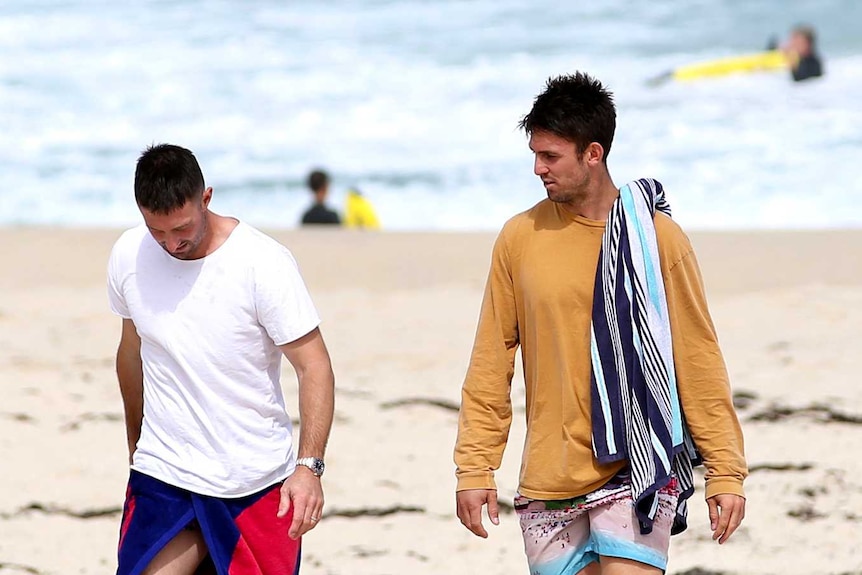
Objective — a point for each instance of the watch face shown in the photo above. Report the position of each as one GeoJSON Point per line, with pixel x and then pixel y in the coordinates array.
{"type": "Point", "coordinates": [314, 464]}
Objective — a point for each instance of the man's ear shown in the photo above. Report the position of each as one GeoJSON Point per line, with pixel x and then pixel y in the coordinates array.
{"type": "Point", "coordinates": [595, 153]}
{"type": "Point", "coordinates": [206, 197]}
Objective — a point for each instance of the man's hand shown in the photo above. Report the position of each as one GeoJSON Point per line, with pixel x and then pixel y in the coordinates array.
{"type": "Point", "coordinates": [726, 512]}
{"type": "Point", "coordinates": [303, 492]}
{"type": "Point", "coordinates": [469, 505]}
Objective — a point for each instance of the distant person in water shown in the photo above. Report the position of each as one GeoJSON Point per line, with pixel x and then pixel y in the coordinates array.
{"type": "Point", "coordinates": [319, 213]}
{"type": "Point", "coordinates": [801, 47]}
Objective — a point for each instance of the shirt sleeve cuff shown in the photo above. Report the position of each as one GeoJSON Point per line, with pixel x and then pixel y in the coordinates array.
{"type": "Point", "coordinates": [722, 485]}
{"type": "Point", "coordinates": [298, 333]}
{"type": "Point", "coordinates": [476, 480]}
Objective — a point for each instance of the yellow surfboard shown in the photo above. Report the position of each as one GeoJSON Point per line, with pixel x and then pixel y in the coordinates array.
{"type": "Point", "coordinates": [760, 62]}
{"type": "Point", "coordinates": [744, 64]}
{"type": "Point", "coordinates": [359, 213]}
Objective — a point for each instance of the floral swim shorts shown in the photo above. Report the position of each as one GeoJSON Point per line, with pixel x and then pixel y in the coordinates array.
{"type": "Point", "coordinates": [564, 536]}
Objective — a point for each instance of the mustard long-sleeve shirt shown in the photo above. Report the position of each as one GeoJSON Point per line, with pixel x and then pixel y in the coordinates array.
{"type": "Point", "coordinates": [539, 296]}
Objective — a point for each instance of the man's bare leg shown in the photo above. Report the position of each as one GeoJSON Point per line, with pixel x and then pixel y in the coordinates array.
{"type": "Point", "coordinates": [617, 566]}
{"type": "Point", "coordinates": [591, 569]}
{"type": "Point", "coordinates": [181, 556]}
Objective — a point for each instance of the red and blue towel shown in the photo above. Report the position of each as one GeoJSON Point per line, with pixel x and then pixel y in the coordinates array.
{"type": "Point", "coordinates": [243, 534]}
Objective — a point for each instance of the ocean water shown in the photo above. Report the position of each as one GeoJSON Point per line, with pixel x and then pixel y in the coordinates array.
{"type": "Point", "coordinates": [416, 104]}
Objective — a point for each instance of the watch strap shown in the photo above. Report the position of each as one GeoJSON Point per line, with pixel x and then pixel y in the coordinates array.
{"type": "Point", "coordinates": [315, 464]}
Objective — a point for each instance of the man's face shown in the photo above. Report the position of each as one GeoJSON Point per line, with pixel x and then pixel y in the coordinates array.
{"type": "Point", "coordinates": [563, 172]}
{"type": "Point", "coordinates": [799, 44]}
{"type": "Point", "coordinates": [181, 233]}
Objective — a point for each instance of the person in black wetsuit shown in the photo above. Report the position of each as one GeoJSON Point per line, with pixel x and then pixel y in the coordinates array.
{"type": "Point", "coordinates": [319, 213]}
{"type": "Point", "coordinates": [802, 49]}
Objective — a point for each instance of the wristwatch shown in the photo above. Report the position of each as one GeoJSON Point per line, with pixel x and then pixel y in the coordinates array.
{"type": "Point", "coordinates": [313, 463]}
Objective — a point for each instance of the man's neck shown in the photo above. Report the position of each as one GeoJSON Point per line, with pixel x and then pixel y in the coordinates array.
{"type": "Point", "coordinates": [596, 204]}
{"type": "Point", "coordinates": [219, 229]}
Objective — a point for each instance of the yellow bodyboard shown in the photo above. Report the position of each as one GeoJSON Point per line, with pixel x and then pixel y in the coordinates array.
{"type": "Point", "coordinates": [759, 62]}
{"type": "Point", "coordinates": [359, 213]}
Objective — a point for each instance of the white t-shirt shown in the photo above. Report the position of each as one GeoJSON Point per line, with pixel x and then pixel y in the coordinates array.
{"type": "Point", "coordinates": [215, 422]}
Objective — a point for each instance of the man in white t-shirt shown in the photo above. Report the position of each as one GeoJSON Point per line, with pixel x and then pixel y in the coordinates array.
{"type": "Point", "coordinates": [209, 306]}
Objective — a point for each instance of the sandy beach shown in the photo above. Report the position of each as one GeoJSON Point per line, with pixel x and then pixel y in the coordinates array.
{"type": "Point", "coordinates": [399, 313]}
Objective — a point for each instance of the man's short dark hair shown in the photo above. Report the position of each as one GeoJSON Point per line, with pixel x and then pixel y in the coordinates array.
{"type": "Point", "coordinates": [808, 33]}
{"type": "Point", "coordinates": [575, 107]}
{"type": "Point", "coordinates": [318, 180]}
{"type": "Point", "coordinates": [167, 177]}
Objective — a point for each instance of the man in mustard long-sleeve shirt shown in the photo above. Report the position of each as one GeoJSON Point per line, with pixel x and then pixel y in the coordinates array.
{"type": "Point", "coordinates": [577, 514]}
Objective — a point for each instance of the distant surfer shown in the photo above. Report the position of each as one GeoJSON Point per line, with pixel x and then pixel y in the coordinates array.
{"type": "Point", "coordinates": [319, 213]}
{"type": "Point", "coordinates": [801, 49]}
{"type": "Point", "coordinates": [359, 213]}
{"type": "Point", "coordinates": [798, 54]}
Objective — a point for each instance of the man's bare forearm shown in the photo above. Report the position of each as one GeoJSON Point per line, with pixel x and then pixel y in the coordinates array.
{"type": "Point", "coordinates": [131, 378]}
{"type": "Point", "coordinates": [316, 407]}
{"type": "Point", "coordinates": [310, 360]}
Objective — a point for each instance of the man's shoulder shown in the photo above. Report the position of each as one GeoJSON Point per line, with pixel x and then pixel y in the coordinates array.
{"type": "Point", "coordinates": [258, 242]}
{"type": "Point", "coordinates": [673, 243]}
{"type": "Point", "coordinates": [809, 67]}
{"type": "Point", "coordinates": [130, 241]}
{"type": "Point", "coordinates": [320, 214]}
{"type": "Point", "coordinates": [133, 235]}
{"type": "Point", "coordinates": [517, 224]}
{"type": "Point", "coordinates": [261, 252]}
{"type": "Point", "coordinates": [311, 210]}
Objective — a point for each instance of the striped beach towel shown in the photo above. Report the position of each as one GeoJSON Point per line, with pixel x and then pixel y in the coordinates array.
{"type": "Point", "coordinates": [636, 413]}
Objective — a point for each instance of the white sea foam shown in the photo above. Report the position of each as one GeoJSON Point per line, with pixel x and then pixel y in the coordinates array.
{"type": "Point", "coordinates": [417, 105]}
